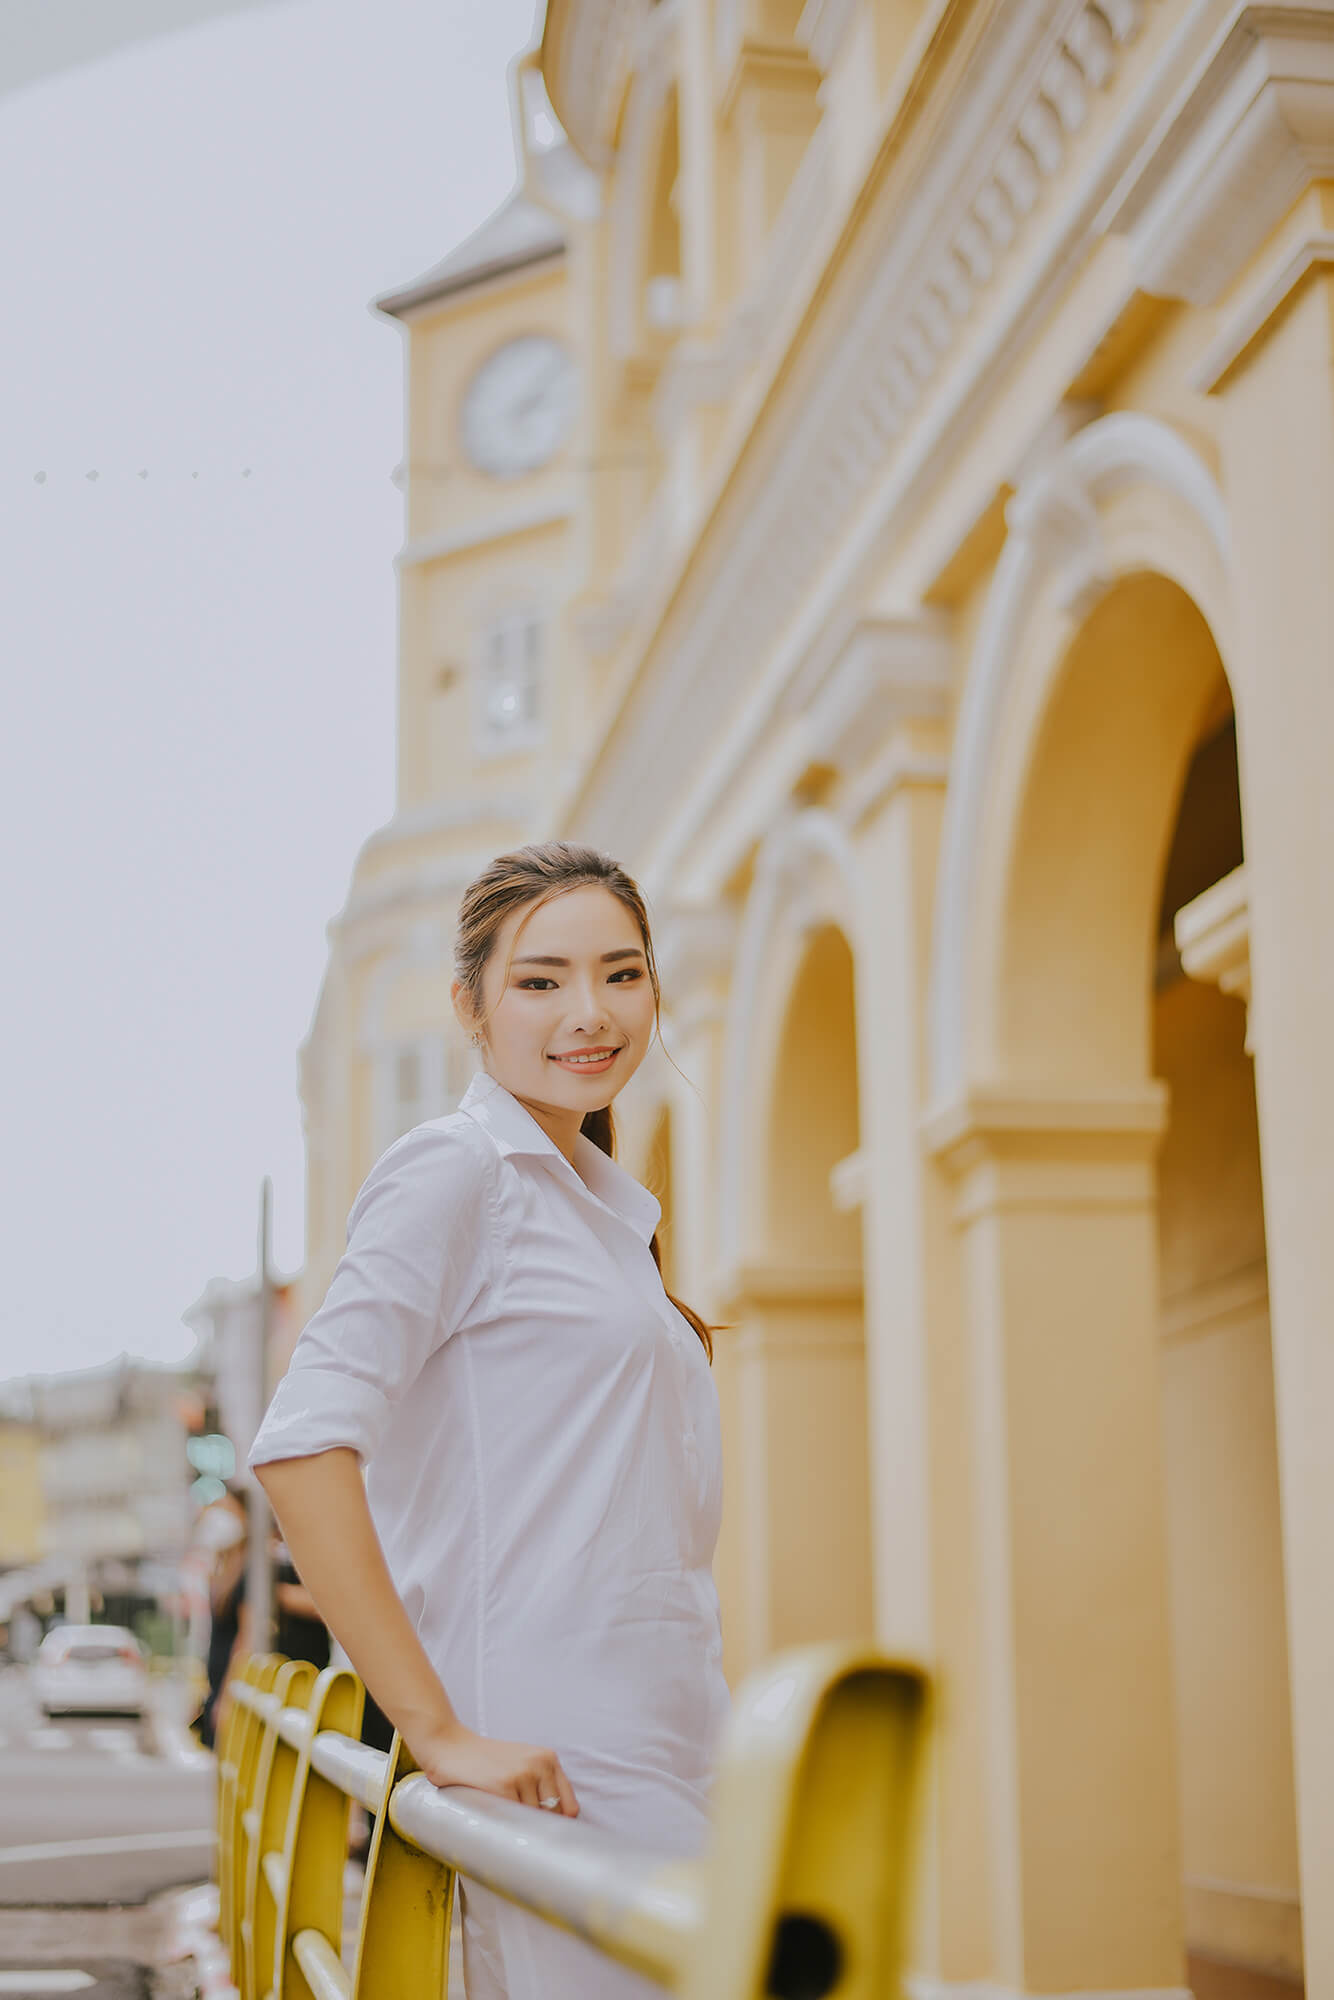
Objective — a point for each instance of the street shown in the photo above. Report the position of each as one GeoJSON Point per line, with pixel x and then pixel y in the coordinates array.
{"type": "Point", "coordinates": [99, 1809]}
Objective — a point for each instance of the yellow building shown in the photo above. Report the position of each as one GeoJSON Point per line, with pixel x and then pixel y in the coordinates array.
{"type": "Point", "coordinates": [22, 1518]}
{"type": "Point", "coordinates": [933, 602]}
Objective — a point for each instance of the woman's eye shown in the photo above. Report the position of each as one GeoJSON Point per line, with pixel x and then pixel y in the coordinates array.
{"type": "Point", "coordinates": [630, 972]}
{"type": "Point", "coordinates": [535, 984]}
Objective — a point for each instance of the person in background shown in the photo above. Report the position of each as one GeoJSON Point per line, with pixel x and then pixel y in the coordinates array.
{"type": "Point", "coordinates": [223, 1529]}
{"type": "Point", "coordinates": [299, 1633]}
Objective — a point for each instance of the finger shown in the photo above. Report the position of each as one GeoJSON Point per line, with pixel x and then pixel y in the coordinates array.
{"type": "Point", "coordinates": [528, 1789]}
{"type": "Point", "coordinates": [569, 1804]}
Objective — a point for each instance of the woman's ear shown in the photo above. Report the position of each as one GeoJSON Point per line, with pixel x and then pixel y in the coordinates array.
{"type": "Point", "coordinates": [462, 1005]}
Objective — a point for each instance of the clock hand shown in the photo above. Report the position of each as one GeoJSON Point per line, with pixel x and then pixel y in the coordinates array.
{"type": "Point", "coordinates": [538, 395]}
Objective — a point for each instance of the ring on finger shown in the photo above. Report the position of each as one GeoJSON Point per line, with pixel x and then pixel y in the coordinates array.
{"type": "Point", "coordinates": [549, 1805]}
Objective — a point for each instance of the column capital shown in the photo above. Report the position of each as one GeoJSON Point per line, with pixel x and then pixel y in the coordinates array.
{"type": "Point", "coordinates": [1049, 1146]}
{"type": "Point", "coordinates": [1250, 134]}
{"type": "Point", "coordinates": [1213, 936]}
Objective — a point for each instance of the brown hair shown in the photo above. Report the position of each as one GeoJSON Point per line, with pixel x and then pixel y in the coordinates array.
{"type": "Point", "coordinates": [530, 876]}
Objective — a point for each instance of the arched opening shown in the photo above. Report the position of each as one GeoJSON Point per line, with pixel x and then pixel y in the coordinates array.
{"type": "Point", "coordinates": [1116, 1267]}
{"type": "Point", "coordinates": [1225, 1561]}
{"type": "Point", "coordinates": [800, 1358]}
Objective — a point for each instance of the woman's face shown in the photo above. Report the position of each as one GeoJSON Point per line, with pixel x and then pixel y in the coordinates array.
{"type": "Point", "coordinates": [572, 1020]}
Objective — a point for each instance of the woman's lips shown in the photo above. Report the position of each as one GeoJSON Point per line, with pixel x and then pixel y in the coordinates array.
{"type": "Point", "coordinates": [585, 1065]}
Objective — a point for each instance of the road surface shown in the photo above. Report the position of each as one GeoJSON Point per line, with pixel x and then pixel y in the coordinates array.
{"type": "Point", "coordinates": [98, 1809]}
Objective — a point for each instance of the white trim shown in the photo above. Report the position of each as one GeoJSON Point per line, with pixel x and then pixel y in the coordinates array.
{"type": "Point", "coordinates": [1247, 134]}
{"type": "Point", "coordinates": [475, 534]}
{"type": "Point", "coordinates": [1054, 533]}
{"type": "Point", "coordinates": [1258, 306]}
{"type": "Point", "coordinates": [822, 27]}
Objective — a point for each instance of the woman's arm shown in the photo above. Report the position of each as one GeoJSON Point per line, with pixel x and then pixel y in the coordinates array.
{"type": "Point", "coordinates": [320, 1502]}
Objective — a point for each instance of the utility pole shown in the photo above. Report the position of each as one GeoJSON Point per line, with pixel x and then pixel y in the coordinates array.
{"type": "Point", "coordinates": [259, 1572]}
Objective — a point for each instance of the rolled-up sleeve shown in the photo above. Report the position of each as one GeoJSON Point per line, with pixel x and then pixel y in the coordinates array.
{"type": "Point", "coordinates": [421, 1254]}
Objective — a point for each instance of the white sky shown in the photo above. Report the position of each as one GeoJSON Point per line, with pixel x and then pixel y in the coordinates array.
{"type": "Point", "coordinates": [198, 718]}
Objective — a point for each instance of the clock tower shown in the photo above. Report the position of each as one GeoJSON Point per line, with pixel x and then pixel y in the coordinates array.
{"type": "Point", "coordinates": [484, 720]}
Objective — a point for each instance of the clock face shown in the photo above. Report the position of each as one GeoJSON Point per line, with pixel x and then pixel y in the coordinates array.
{"type": "Point", "coordinates": [519, 406]}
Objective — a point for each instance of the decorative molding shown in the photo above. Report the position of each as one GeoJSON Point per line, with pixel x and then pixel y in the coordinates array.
{"type": "Point", "coordinates": [887, 671]}
{"type": "Point", "coordinates": [898, 767]}
{"type": "Point", "coordinates": [708, 371]}
{"type": "Point", "coordinates": [475, 534]}
{"type": "Point", "coordinates": [1045, 1115]}
{"type": "Point", "coordinates": [1213, 936]}
{"type": "Point", "coordinates": [800, 1285]}
{"type": "Point", "coordinates": [1251, 130]}
{"type": "Point", "coordinates": [1261, 302]}
{"type": "Point", "coordinates": [849, 1181]}
{"type": "Point", "coordinates": [822, 26]}
{"type": "Point", "coordinates": [693, 948]}
{"type": "Point", "coordinates": [586, 85]}
{"type": "Point", "coordinates": [1053, 532]}
{"type": "Point", "coordinates": [946, 221]}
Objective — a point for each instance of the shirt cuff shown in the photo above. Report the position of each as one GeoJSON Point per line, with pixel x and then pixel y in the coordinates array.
{"type": "Point", "coordinates": [320, 1409]}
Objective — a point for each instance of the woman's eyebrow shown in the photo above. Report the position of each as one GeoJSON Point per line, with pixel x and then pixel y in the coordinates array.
{"type": "Point", "coordinates": [630, 951]}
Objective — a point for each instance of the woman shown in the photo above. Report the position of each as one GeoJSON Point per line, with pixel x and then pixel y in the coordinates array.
{"type": "Point", "coordinates": [524, 1582]}
{"type": "Point", "coordinates": [222, 1529]}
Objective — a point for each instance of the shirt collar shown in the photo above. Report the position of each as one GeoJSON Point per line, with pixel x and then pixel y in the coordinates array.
{"type": "Point", "coordinates": [517, 1134]}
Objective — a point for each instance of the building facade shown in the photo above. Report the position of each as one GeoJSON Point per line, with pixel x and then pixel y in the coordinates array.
{"type": "Point", "coordinates": [935, 580]}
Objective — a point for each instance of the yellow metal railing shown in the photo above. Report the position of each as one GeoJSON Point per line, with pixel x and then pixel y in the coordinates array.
{"type": "Point", "coordinates": [800, 1895]}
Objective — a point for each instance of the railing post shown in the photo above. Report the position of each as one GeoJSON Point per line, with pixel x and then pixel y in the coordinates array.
{"type": "Point", "coordinates": [265, 1831]}
{"type": "Point", "coordinates": [235, 1775]}
{"type": "Point", "coordinates": [315, 1849]}
{"type": "Point", "coordinates": [403, 1941]}
{"type": "Point", "coordinates": [807, 1870]}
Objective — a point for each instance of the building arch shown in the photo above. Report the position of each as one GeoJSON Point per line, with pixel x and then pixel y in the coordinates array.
{"type": "Point", "coordinates": [805, 877]}
{"type": "Point", "coordinates": [1124, 497]}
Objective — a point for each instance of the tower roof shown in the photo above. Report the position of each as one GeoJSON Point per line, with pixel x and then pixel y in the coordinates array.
{"type": "Point", "coordinates": [518, 234]}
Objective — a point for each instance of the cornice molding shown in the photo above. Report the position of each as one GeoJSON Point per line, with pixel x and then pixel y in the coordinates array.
{"type": "Point", "coordinates": [1248, 134]}
{"type": "Point", "coordinates": [476, 534]}
{"type": "Point", "coordinates": [1213, 936]}
{"type": "Point", "coordinates": [887, 671]}
{"type": "Point", "coordinates": [1022, 91]}
{"type": "Point", "coordinates": [1262, 299]}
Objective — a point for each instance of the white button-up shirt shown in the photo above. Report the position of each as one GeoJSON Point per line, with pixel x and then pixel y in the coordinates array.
{"type": "Point", "coordinates": [540, 1433]}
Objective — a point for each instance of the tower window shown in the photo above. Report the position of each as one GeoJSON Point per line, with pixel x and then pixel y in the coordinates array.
{"type": "Point", "coordinates": [511, 681]}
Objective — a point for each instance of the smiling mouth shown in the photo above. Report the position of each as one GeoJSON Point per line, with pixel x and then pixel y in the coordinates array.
{"type": "Point", "coordinates": [585, 1058]}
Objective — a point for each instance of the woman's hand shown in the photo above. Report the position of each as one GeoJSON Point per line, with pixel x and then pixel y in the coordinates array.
{"type": "Point", "coordinates": [453, 1755]}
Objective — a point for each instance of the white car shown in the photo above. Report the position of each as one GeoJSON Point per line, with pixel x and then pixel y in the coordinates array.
{"type": "Point", "coordinates": [90, 1670]}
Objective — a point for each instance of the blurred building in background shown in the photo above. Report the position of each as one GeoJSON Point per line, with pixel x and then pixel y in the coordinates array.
{"type": "Point", "coordinates": [95, 1511]}
{"type": "Point", "coordinates": [876, 478]}
{"type": "Point", "coordinates": [226, 1322]}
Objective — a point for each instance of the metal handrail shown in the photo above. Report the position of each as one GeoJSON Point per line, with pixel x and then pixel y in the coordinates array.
{"type": "Point", "coordinates": [802, 1889]}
